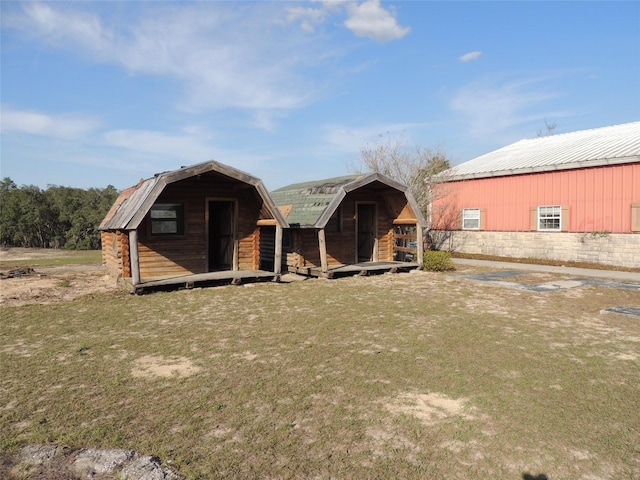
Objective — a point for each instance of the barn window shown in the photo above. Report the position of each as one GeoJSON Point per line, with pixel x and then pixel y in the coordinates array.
{"type": "Point", "coordinates": [471, 219]}
{"type": "Point", "coordinates": [550, 218]}
{"type": "Point", "coordinates": [167, 219]}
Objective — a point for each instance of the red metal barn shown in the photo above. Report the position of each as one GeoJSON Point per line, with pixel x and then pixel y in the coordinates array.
{"type": "Point", "coordinates": [353, 224]}
{"type": "Point", "coordinates": [570, 197]}
{"type": "Point", "coordinates": [203, 223]}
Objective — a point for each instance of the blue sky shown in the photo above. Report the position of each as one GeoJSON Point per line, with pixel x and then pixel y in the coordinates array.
{"type": "Point", "coordinates": [105, 93]}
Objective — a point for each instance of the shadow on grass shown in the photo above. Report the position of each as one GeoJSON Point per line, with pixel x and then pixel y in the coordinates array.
{"type": "Point", "coordinates": [540, 476]}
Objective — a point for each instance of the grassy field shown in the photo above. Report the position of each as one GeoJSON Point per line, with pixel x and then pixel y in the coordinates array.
{"type": "Point", "coordinates": [419, 375]}
{"type": "Point", "coordinates": [40, 257]}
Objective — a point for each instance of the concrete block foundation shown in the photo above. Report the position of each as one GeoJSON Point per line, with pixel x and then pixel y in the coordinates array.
{"type": "Point", "coordinates": [616, 249]}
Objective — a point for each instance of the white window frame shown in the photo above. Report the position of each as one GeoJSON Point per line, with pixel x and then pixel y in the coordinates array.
{"type": "Point", "coordinates": [547, 214]}
{"type": "Point", "coordinates": [470, 214]}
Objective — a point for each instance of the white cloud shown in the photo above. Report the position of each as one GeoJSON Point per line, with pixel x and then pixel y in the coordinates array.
{"type": "Point", "coordinates": [190, 145]}
{"type": "Point", "coordinates": [223, 54]}
{"type": "Point", "coordinates": [63, 127]}
{"type": "Point", "coordinates": [309, 17]}
{"type": "Point", "coordinates": [492, 105]}
{"type": "Point", "coordinates": [467, 57]}
{"type": "Point", "coordinates": [117, 157]}
{"type": "Point", "coordinates": [226, 55]}
{"type": "Point", "coordinates": [369, 19]}
{"type": "Point", "coordinates": [57, 25]}
{"type": "Point", "coordinates": [364, 19]}
{"type": "Point", "coordinates": [348, 139]}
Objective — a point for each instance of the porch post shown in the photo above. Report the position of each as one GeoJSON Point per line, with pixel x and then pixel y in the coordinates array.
{"type": "Point", "coordinates": [419, 245]}
{"type": "Point", "coordinates": [236, 254]}
{"type": "Point", "coordinates": [133, 257]}
{"type": "Point", "coordinates": [323, 251]}
{"type": "Point", "coordinates": [277, 261]}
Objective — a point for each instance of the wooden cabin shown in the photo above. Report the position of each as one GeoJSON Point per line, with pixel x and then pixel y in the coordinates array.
{"type": "Point", "coordinates": [204, 223]}
{"type": "Point", "coordinates": [350, 225]}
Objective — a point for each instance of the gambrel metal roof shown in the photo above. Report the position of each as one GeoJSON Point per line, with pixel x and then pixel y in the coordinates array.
{"type": "Point", "coordinates": [311, 204]}
{"type": "Point", "coordinates": [611, 145]}
{"type": "Point", "coordinates": [133, 203]}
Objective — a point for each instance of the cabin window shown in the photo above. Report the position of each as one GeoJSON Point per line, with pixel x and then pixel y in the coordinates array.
{"type": "Point", "coordinates": [471, 219]}
{"type": "Point", "coordinates": [550, 218]}
{"type": "Point", "coordinates": [167, 219]}
{"type": "Point", "coordinates": [334, 225]}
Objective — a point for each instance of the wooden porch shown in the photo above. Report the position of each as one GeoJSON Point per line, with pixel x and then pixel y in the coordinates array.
{"type": "Point", "coordinates": [362, 269]}
{"type": "Point", "coordinates": [227, 277]}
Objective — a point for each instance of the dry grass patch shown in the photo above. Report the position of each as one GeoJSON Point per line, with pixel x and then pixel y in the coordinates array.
{"type": "Point", "coordinates": [430, 408]}
{"type": "Point", "coordinates": [151, 366]}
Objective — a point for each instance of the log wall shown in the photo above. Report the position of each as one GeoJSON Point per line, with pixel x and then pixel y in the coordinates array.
{"type": "Point", "coordinates": [115, 253]}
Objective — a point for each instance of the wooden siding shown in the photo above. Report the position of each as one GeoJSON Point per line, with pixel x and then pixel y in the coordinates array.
{"type": "Point", "coordinates": [391, 206]}
{"type": "Point", "coordinates": [165, 256]}
{"type": "Point", "coordinates": [597, 199]}
{"type": "Point", "coordinates": [110, 257]}
{"type": "Point", "coordinates": [115, 253]}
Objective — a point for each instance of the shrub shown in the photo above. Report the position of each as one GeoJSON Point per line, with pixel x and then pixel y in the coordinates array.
{"type": "Point", "coordinates": [438, 261]}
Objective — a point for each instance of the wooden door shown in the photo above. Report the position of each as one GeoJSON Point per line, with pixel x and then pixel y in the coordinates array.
{"type": "Point", "coordinates": [366, 232]}
{"type": "Point", "coordinates": [221, 234]}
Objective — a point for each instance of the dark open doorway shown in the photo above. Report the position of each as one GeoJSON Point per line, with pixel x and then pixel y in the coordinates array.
{"type": "Point", "coordinates": [366, 232]}
{"type": "Point", "coordinates": [221, 234]}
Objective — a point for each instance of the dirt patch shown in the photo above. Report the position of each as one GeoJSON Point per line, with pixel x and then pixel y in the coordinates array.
{"type": "Point", "coordinates": [430, 408]}
{"type": "Point", "coordinates": [48, 284]}
{"type": "Point", "coordinates": [151, 366]}
{"type": "Point", "coordinates": [54, 284]}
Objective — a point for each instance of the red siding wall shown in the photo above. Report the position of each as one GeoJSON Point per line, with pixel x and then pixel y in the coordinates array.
{"type": "Point", "coordinates": [598, 198]}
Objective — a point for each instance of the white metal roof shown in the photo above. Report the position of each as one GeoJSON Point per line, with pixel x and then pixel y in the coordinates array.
{"type": "Point", "coordinates": [611, 145]}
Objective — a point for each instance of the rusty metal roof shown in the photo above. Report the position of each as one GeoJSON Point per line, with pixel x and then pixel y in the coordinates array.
{"type": "Point", "coordinates": [611, 145]}
{"type": "Point", "coordinates": [133, 203]}
{"type": "Point", "coordinates": [311, 204]}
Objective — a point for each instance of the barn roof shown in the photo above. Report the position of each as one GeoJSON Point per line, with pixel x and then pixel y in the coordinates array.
{"type": "Point", "coordinates": [311, 204]}
{"type": "Point", "coordinates": [611, 145]}
{"type": "Point", "coordinates": [133, 203]}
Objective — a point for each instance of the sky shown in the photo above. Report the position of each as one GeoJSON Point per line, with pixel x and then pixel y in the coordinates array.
{"type": "Point", "coordinates": [106, 93]}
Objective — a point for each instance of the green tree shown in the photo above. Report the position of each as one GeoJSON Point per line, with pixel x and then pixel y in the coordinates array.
{"type": "Point", "coordinates": [79, 213]}
{"type": "Point", "coordinates": [58, 217]}
{"type": "Point", "coordinates": [30, 218]}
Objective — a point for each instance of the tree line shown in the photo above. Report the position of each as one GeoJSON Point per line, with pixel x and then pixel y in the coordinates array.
{"type": "Point", "coordinates": [56, 217]}
{"type": "Point", "coordinates": [65, 217]}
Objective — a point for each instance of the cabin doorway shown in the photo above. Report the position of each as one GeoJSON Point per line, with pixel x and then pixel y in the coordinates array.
{"type": "Point", "coordinates": [366, 239]}
{"type": "Point", "coordinates": [267, 248]}
{"type": "Point", "coordinates": [221, 229]}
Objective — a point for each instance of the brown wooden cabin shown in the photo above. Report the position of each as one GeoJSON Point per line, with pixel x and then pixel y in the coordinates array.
{"type": "Point", "coordinates": [350, 225]}
{"type": "Point", "coordinates": [205, 223]}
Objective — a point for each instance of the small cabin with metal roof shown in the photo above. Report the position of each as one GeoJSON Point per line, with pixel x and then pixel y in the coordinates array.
{"type": "Point", "coordinates": [352, 224]}
{"type": "Point", "coordinates": [204, 223]}
{"type": "Point", "coordinates": [573, 196]}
